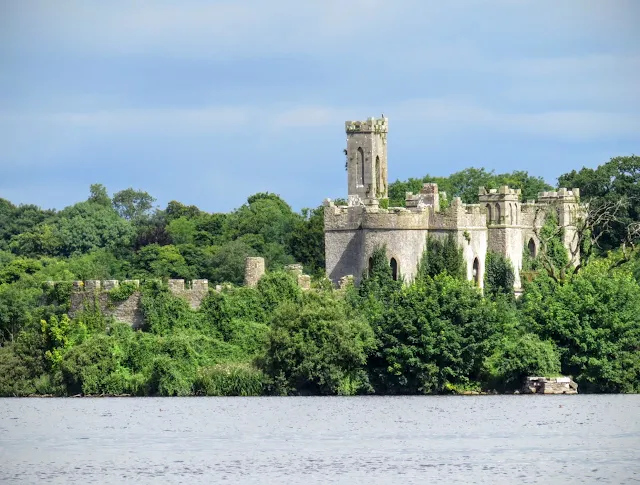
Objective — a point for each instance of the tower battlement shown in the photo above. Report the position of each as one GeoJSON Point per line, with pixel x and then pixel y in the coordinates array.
{"type": "Point", "coordinates": [370, 125]}
{"type": "Point", "coordinates": [562, 194]}
{"type": "Point", "coordinates": [500, 223]}
{"type": "Point", "coordinates": [503, 193]}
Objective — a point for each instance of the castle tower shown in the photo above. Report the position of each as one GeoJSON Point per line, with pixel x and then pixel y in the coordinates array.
{"type": "Point", "coordinates": [568, 210]}
{"type": "Point", "coordinates": [502, 208]}
{"type": "Point", "coordinates": [367, 158]}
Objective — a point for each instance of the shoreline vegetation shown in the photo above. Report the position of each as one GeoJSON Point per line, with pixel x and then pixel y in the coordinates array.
{"type": "Point", "coordinates": [437, 335]}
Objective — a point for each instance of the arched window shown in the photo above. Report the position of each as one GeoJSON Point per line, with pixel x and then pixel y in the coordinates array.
{"type": "Point", "coordinates": [489, 214]}
{"type": "Point", "coordinates": [476, 272]}
{"type": "Point", "coordinates": [360, 166]}
{"type": "Point", "coordinates": [394, 269]}
{"type": "Point", "coordinates": [379, 190]}
{"type": "Point", "coordinates": [497, 214]}
{"type": "Point", "coordinates": [370, 269]}
{"type": "Point", "coordinates": [532, 248]}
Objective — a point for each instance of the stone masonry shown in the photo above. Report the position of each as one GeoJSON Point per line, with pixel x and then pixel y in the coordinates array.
{"type": "Point", "coordinates": [253, 271]}
{"type": "Point", "coordinates": [95, 293]}
{"type": "Point", "coordinates": [500, 223]}
{"type": "Point", "coordinates": [550, 385]}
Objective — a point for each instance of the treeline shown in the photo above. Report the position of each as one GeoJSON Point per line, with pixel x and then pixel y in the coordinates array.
{"type": "Point", "coordinates": [437, 335]}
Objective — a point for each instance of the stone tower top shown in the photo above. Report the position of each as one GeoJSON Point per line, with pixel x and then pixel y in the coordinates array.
{"type": "Point", "coordinates": [367, 158]}
{"type": "Point", "coordinates": [371, 125]}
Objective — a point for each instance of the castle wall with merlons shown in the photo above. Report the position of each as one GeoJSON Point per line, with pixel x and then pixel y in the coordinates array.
{"type": "Point", "coordinates": [499, 224]}
{"type": "Point", "coordinates": [95, 294]}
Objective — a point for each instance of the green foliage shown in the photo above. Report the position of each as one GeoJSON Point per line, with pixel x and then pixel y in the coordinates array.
{"type": "Point", "coordinates": [98, 195]}
{"type": "Point", "coordinates": [230, 380]}
{"type": "Point", "coordinates": [465, 184]}
{"type": "Point", "coordinates": [163, 312]}
{"type": "Point", "coordinates": [60, 335]}
{"type": "Point", "coordinates": [307, 240]}
{"type": "Point", "coordinates": [593, 319]}
{"type": "Point", "coordinates": [441, 257]}
{"type": "Point", "coordinates": [278, 287]}
{"type": "Point", "coordinates": [554, 248]}
{"type": "Point", "coordinates": [616, 180]}
{"type": "Point", "coordinates": [516, 358]}
{"type": "Point", "coordinates": [133, 204]}
{"type": "Point", "coordinates": [317, 347]}
{"type": "Point", "coordinates": [435, 333]}
{"type": "Point", "coordinates": [498, 275]}
{"type": "Point", "coordinates": [123, 291]}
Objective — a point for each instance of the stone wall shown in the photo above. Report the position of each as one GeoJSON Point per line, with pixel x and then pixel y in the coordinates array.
{"type": "Point", "coordinates": [94, 294]}
{"type": "Point", "coordinates": [550, 385]}
{"type": "Point", "coordinates": [500, 223]}
{"type": "Point", "coordinates": [253, 271]}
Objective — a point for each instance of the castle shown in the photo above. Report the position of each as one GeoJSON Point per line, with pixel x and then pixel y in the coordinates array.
{"type": "Point", "coordinates": [500, 223]}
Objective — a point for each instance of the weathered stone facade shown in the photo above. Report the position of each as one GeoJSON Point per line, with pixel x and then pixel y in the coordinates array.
{"type": "Point", "coordinates": [94, 294]}
{"type": "Point", "coordinates": [499, 223]}
{"type": "Point", "coordinates": [253, 271]}
{"type": "Point", "coordinates": [550, 385]}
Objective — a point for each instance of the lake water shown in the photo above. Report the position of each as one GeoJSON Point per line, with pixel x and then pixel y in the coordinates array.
{"type": "Point", "coordinates": [313, 440]}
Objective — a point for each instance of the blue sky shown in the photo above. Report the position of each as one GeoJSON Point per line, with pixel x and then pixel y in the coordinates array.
{"type": "Point", "coordinates": [209, 102]}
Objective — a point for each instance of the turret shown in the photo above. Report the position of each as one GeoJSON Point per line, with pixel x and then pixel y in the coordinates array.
{"type": "Point", "coordinates": [367, 158]}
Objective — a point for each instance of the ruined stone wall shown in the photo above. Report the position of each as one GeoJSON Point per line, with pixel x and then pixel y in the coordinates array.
{"type": "Point", "coordinates": [253, 271]}
{"type": "Point", "coordinates": [93, 294]}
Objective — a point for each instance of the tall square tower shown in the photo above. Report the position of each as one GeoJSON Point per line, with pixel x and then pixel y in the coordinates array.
{"type": "Point", "coordinates": [367, 158]}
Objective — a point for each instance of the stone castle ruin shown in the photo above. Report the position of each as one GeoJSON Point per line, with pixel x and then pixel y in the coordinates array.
{"type": "Point", "coordinates": [95, 293]}
{"type": "Point", "coordinates": [500, 223]}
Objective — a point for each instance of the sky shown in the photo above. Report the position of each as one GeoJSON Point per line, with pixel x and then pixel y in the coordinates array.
{"type": "Point", "coordinates": [209, 102]}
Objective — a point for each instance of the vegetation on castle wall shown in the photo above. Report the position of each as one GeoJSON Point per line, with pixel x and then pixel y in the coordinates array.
{"type": "Point", "coordinates": [498, 275]}
{"type": "Point", "coordinates": [437, 334]}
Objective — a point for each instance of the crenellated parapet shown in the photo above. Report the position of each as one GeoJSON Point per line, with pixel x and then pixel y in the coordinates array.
{"type": "Point", "coordinates": [370, 125]}
{"type": "Point", "coordinates": [95, 295]}
{"type": "Point", "coordinates": [194, 291]}
{"type": "Point", "coordinates": [500, 223]}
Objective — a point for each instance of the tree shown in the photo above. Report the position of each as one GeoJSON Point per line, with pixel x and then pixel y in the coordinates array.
{"type": "Point", "coordinates": [133, 204]}
{"type": "Point", "coordinates": [516, 358]}
{"type": "Point", "coordinates": [441, 257]}
{"type": "Point", "coordinates": [98, 195]}
{"type": "Point", "coordinates": [593, 319]}
{"type": "Point", "coordinates": [433, 337]}
{"type": "Point", "coordinates": [588, 226]}
{"type": "Point", "coordinates": [307, 240]}
{"type": "Point", "coordinates": [317, 347]}
{"type": "Point", "coordinates": [498, 276]}
{"type": "Point", "coordinates": [465, 184]}
{"type": "Point", "coordinates": [616, 182]}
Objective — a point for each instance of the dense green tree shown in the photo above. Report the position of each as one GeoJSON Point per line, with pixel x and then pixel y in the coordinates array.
{"type": "Point", "coordinates": [498, 275]}
{"type": "Point", "coordinates": [593, 319]}
{"type": "Point", "coordinates": [98, 195]}
{"type": "Point", "coordinates": [317, 347]}
{"type": "Point", "coordinates": [433, 337]}
{"type": "Point", "coordinates": [465, 184]}
{"type": "Point", "coordinates": [442, 256]}
{"type": "Point", "coordinates": [133, 204]}
{"type": "Point", "coordinates": [307, 240]}
{"type": "Point", "coordinates": [615, 183]}
{"type": "Point", "coordinates": [515, 358]}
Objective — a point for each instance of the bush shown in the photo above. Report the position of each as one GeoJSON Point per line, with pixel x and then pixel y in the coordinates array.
{"type": "Point", "coordinates": [229, 380]}
{"type": "Point", "coordinates": [315, 347]}
{"type": "Point", "coordinates": [517, 358]}
{"type": "Point", "coordinates": [499, 276]}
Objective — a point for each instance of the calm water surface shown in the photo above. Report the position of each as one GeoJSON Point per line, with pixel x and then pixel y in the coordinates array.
{"type": "Point", "coordinates": [372, 440]}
